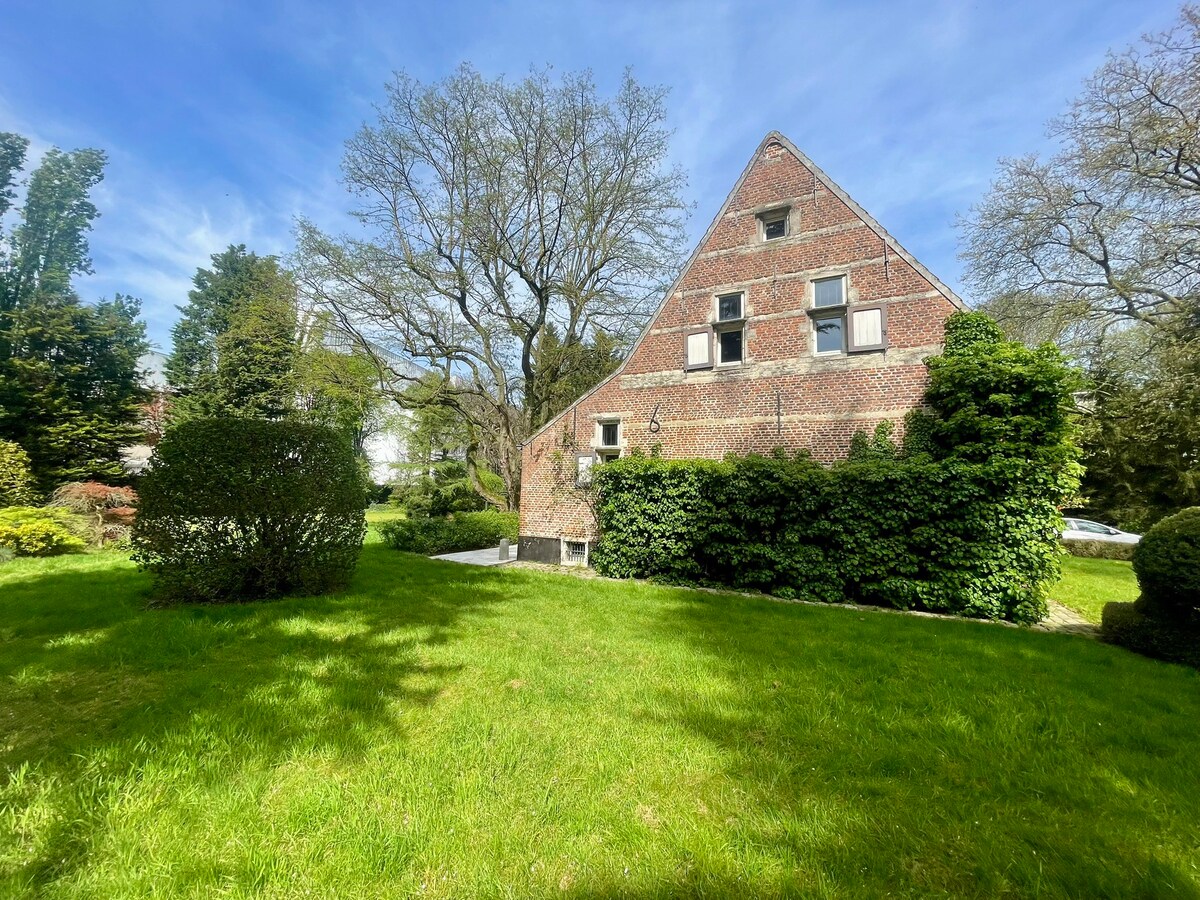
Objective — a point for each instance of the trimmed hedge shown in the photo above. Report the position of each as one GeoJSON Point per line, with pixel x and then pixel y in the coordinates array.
{"type": "Point", "coordinates": [1127, 625]}
{"type": "Point", "coordinates": [239, 509]}
{"type": "Point", "coordinates": [962, 518]}
{"type": "Point", "coordinates": [1099, 549]}
{"type": "Point", "coordinates": [1167, 563]}
{"type": "Point", "coordinates": [463, 531]}
{"type": "Point", "coordinates": [974, 539]}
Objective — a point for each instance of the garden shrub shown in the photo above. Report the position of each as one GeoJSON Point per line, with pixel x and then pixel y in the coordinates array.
{"type": "Point", "coordinates": [462, 531]}
{"type": "Point", "coordinates": [108, 510]}
{"type": "Point", "coordinates": [17, 487]}
{"type": "Point", "coordinates": [1099, 549]}
{"type": "Point", "coordinates": [32, 531]}
{"type": "Point", "coordinates": [1167, 564]}
{"type": "Point", "coordinates": [963, 520]}
{"type": "Point", "coordinates": [1127, 625]}
{"type": "Point", "coordinates": [238, 509]}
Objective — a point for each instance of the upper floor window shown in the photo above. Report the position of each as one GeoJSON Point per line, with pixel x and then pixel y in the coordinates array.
{"type": "Point", "coordinates": [729, 347]}
{"type": "Point", "coordinates": [730, 307]}
{"type": "Point", "coordinates": [842, 328]}
{"type": "Point", "coordinates": [774, 224]}
{"type": "Point", "coordinates": [829, 291]}
{"type": "Point", "coordinates": [610, 434]}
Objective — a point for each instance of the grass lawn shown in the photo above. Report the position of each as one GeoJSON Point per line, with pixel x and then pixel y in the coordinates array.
{"type": "Point", "coordinates": [447, 731]}
{"type": "Point", "coordinates": [1088, 584]}
{"type": "Point", "coordinates": [376, 517]}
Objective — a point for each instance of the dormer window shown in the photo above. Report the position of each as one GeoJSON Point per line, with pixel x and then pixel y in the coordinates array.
{"type": "Point", "coordinates": [774, 224]}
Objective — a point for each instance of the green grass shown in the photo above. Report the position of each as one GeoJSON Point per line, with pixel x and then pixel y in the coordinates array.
{"type": "Point", "coordinates": [1088, 584]}
{"type": "Point", "coordinates": [447, 731]}
{"type": "Point", "coordinates": [375, 518]}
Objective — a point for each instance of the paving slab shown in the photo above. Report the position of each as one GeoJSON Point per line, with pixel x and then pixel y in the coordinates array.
{"type": "Point", "coordinates": [488, 557]}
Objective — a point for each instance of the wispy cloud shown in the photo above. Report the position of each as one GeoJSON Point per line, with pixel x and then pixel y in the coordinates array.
{"type": "Point", "coordinates": [225, 121]}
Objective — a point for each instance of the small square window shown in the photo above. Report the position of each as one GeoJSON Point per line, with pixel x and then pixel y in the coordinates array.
{"type": "Point", "coordinates": [607, 456]}
{"type": "Point", "coordinates": [775, 227]}
{"type": "Point", "coordinates": [610, 434]}
{"type": "Point", "coordinates": [574, 553]}
{"type": "Point", "coordinates": [830, 334]}
{"type": "Point", "coordinates": [829, 291]}
{"type": "Point", "coordinates": [729, 308]}
{"type": "Point", "coordinates": [729, 347]}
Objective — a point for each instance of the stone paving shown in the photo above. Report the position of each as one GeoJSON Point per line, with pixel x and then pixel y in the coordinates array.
{"type": "Point", "coordinates": [1066, 621]}
{"type": "Point", "coordinates": [487, 557]}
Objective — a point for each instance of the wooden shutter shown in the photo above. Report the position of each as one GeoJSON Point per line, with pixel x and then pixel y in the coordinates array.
{"type": "Point", "coordinates": [697, 350]}
{"type": "Point", "coordinates": [866, 328]}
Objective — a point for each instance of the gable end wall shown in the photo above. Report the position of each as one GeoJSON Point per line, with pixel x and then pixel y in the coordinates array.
{"type": "Point", "coordinates": [782, 395]}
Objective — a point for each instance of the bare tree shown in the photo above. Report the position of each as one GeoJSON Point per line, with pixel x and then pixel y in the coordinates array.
{"type": "Point", "coordinates": [1108, 228]}
{"type": "Point", "coordinates": [495, 210]}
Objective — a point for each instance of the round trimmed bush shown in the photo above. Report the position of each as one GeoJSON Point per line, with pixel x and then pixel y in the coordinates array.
{"type": "Point", "coordinates": [242, 509]}
{"type": "Point", "coordinates": [1167, 563]}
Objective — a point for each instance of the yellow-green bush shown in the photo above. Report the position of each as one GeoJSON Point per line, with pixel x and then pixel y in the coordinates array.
{"type": "Point", "coordinates": [29, 531]}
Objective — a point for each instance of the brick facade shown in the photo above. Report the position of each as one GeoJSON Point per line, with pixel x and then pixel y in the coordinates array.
{"type": "Point", "coordinates": [782, 393]}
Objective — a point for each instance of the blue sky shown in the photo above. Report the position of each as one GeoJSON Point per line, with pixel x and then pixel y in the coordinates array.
{"type": "Point", "coordinates": [224, 121]}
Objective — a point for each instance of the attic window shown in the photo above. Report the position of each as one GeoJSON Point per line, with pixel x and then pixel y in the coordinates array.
{"type": "Point", "coordinates": [774, 224]}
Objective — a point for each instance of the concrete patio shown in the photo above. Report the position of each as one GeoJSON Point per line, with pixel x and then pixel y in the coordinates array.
{"type": "Point", "coordinates": [487, 557]}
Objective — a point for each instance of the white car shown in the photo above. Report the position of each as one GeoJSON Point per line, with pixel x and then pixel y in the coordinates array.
{"type": "Point", "coordinates": [1083, 530]}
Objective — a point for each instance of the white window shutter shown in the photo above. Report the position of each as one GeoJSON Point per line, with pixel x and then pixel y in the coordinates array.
{"type": "Point", "coordinates": [699, 349]}
{"type": "Point", "coordinates": [868, 328]}
{"type": "Point", "coordinates": [583, 469]}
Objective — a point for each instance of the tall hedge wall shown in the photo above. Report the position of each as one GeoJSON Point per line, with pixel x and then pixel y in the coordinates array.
{"type": "Point", "coordinates": [962, 519]}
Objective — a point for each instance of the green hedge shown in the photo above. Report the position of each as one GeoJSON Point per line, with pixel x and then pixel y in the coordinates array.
{"type": "Point", "coordinates": [1099, 549]}
{"type": "Point", "coordinates": [975, 539]}
{"type": "Point", "coordinates": [962, 518]}
{"type": "Point", "coordinates": [462, 531]}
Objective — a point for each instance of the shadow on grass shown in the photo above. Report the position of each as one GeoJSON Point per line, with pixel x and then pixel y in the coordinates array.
{"type": "Point", "coordinates": [88, 672]}
{"type": "Point", "coordinates": [1018, 763]}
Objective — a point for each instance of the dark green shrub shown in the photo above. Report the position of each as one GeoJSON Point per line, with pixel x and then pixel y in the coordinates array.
{"type": "Point", "coordinates": [1125, 625]}
{"type": "Point", "coordinates": [17, 487]}
{"type": "Point", "coordinates": [32, 531]}
{"type": "Point", "coordinates": [237, 509]}
{"type": "Point", "coordinates": [1100, 549]}
{"type": "Point", "coordinates": [949, 536]}
{"type": "Point", "coordinates": [1167, 563]}
{"type": "Point", "coordinates": [964, 520]}
{"type": "Point", "coordinates": [463, 531]}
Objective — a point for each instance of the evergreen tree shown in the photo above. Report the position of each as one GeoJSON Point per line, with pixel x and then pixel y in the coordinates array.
{"type": "Point", "coordinates": [69, 390]}
{"type": "Point", "coordinates": [234, 347]}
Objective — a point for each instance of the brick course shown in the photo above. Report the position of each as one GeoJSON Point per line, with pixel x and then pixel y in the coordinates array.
{"type": "Point", "coordinates": [781, 395]}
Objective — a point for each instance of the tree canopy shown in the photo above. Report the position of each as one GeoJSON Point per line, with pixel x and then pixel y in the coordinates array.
{"type": "Point", "coordinates": [495, 211]}
{"type": "Point", "coordinates": [69, 383]}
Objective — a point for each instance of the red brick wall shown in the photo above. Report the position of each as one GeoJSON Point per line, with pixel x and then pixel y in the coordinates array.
{"type": "Point", "coordinates": [782, 395]}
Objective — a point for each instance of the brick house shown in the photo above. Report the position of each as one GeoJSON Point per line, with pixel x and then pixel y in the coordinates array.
{"type": "Point", "coordinates": [797, 321]}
